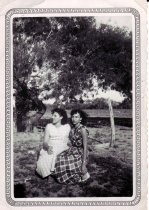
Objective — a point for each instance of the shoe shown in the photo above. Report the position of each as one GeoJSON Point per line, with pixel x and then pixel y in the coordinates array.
{"type": "Point", "coordinates": [85, 177]}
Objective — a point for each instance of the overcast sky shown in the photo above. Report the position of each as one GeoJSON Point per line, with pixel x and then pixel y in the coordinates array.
{"type": "Point", "coordinates": [121, 21]}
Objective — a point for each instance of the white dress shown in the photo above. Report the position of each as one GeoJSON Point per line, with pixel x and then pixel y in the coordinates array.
{"type": "Point", "coordinates": [58, 139]}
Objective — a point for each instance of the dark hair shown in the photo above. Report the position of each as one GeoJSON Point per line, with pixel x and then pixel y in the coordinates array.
{"type": "Point", "coordinates": [82, 114]}
{"type": "Point", "coordinates": [62, 113]}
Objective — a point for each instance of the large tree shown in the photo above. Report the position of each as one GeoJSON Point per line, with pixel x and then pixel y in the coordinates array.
{"type": "Point", "coordinates": [69, 54]}
{"type": "Point", "coordinates": [80, 52]}
{"type": "Point", "coordinates": [29, 37]}
{"type": "Point", "coordinates": [103, 54]}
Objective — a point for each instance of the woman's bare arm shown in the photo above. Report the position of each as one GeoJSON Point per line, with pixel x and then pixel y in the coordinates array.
{"type": "Point", "coordinates": [46, 137]}
{"type": "Point", "coordinates": [85, 138]}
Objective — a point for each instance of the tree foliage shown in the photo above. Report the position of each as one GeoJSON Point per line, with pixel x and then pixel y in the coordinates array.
{"type": "Point", "coordinates": [61, 56]}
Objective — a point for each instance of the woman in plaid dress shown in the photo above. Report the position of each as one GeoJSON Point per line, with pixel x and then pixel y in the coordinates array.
{"type": "Point", "coordinates": [70, 165]}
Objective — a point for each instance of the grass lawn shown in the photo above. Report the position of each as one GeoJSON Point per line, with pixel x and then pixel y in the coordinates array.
{"type": "Point", "coordinates": [110, 169]}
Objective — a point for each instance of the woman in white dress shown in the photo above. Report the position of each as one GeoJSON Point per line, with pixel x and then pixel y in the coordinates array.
{"type": "Point", "coordinates": [56, 140]}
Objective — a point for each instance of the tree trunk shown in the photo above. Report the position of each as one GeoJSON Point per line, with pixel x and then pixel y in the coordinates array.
{"type": "Point", "coordinates": [14, 114]}
{"type": "Point", "coordinates": [21, 126]}
{"type": "Point", "coordinates": [14, 120]}
{"type": "Point", "coordinates": [112, 142]}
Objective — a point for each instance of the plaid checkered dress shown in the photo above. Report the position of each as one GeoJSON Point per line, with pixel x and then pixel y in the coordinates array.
{"type": "Point", "coordinates": [68, 164]}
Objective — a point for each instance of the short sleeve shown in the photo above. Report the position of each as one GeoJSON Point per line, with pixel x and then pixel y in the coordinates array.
{"type": "Point", "coordinates": [48, 126]}
{"type": "Point", "coordinates": [67, 126]}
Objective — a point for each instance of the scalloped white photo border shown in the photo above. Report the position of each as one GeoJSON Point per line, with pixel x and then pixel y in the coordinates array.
{"type": "Point", "coordinates": [8, 91]}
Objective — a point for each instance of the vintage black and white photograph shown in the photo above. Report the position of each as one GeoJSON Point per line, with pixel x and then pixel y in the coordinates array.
{"type": "Point", "coordinates": [73, 106]}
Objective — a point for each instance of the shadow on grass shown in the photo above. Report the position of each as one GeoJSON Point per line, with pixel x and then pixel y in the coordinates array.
{"type": "Point", "coordinates": [110, 170]}
{"type": "Point", "coordinates": [109, 178]}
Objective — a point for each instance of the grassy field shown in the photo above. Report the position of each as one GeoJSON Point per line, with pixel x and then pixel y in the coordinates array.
{"type": "Point", "coordinates": [110, 169]}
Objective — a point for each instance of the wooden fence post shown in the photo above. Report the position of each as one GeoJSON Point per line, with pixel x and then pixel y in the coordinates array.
{"type": "Point", "coordinates": [14, 112]}
{"type": "Point", "coordinates": [112, 142]}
